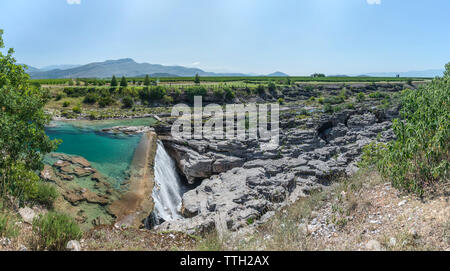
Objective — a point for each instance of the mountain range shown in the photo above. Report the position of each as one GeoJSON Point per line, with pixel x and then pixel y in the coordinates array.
{"type": "Point", "coordinates": [122, 67]}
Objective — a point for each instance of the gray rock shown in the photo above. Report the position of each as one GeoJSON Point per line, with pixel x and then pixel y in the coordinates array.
{"type": "Point", "coordinates": [73, 245]}
{"type": "Point", "coordinates": [27, 214]}
{"type": "Point", "coordinates": [373, 245]}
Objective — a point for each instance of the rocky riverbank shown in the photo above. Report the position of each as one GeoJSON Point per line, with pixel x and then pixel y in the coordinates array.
{"type": "Point", "coordinates": [241, 185]}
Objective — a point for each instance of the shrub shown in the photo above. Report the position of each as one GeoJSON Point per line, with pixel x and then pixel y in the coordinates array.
{"type": "Point", "coordinates": [272, 87]}
{"type": "Point", "coordinates": [76, 110]}
{"type": "Point", "coordinates": [167, 99]}
{"type": "Point", "coordinates": [127, 102]}
{"type": "Point", "coordinates": [90, 98]}
{"type": "Point", "coordinates": [53, 230]}
{"type": "Point", "coordinates": [66, 104]}
{"type": "Point", "coordinates": [219, 92]}
{"type": "Point", "coordinates": [229, 93]}
{"type": "Point", "coordinates": [8, 227]}
{"type": "Point", "coordinates": [105, 101]}
{"type": "Point", "coordinates": [350, 106]}
{"type": "Point", "coordinates": [420, 155]}
{"type": "Point", "coordinates": [280, 101]}
{"type": "Point", "coordinates": [327, 108]}
{"type": "Point", "coordinates": [46, 194]}
{"type": "Point", "coordinates": [361, 97]}
{"type": "Point", "coordinates": [195, 91]}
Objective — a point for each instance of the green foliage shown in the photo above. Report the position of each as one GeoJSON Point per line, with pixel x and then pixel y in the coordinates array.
{"type": "Point", "coordinates": [114, 82]}
{"type": "Point", "coordinates": [150, 94]}
{"type": "Point", "coordinates": [195, 91]}
{"type": "Point", "coordinates": [361, 97]}
{"type": "Point", "coordinates": [219, 92]}
{"type": "Point", "coordinates": [46, 194]}
{"type": "Point", "coordinates": [272, 87]}
{"type": "Point", "coordinates": [147, 80]}
{"type": "Point", "coordinates": [106, 100]}
{"type": "Point", "coordinates": [197, 79]}
{"type": "Point", "coordinates": [229, 93]}
{"type": "Point", "coordinates": [377, 95]}
{"type": "Point", "coordinates": [23, 141]}
{"type": "Point", "coordinates": [327, 108]}
{"type": "Point", "coordinates": [280, 101]}
{"type": "Point", "coordinates": [53, 230]}
{"type": "Point", "coordinates": [8, 227]}
{"type": "Point", "coordinates": [123, 82]}
{"type": "Point", "coordinates": [419, 156]}
{"type": "Point", "coordinates": [66, 104]}
{"type": "Point", "coordinates": [76, 109]}
{"type": "Point", "coordinates": [90, 98]}
{"type": "Point", "coordinates": [167, 99]}
{"type": "Point", "coordinates": [127, 102]}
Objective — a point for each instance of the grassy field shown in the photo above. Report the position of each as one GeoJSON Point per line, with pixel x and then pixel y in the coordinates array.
{"type": "Point", "coordinates": [235, 79]}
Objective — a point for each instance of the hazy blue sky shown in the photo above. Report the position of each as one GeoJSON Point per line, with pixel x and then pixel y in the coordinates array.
{"type": "Point", "coordinates": [298, 37]}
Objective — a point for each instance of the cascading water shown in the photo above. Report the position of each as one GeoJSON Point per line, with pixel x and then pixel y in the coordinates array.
{"type": "Point", "coordinates": [168, 188]}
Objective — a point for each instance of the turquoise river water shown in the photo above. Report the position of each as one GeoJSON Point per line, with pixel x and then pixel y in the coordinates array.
{"type": "Point", "coordinates": [110, 154]}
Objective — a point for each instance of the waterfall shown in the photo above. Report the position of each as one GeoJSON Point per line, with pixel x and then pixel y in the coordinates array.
{"type": "Point", "coordinates": [168, 188]}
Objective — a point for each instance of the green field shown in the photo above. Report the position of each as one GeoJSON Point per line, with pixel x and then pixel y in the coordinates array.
{"type": "Point", "coordinates": [242, 80]}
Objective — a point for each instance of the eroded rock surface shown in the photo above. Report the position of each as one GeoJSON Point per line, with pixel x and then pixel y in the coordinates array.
{"type": "Point", "coordinates": [243, 185]}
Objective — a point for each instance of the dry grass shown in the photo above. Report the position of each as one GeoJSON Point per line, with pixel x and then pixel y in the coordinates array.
{"type": "Point", "coordinates": [345, 216]}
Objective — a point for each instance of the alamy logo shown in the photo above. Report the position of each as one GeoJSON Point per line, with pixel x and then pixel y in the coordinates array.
{"type": "Point", "coordinates": [242, 122]}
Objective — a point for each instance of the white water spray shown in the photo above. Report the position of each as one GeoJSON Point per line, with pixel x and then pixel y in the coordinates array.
{"type": "Point", "coordinates": [168, 189]}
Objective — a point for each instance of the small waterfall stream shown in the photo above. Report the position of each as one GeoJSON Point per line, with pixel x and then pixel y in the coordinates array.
{"type": "Point", "coordinates": [168, 189]}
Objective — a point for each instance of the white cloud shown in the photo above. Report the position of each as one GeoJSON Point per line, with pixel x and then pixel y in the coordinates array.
{"type": "Point", "coordinates": [73, 2]}
{"type": "Point", "coordinates": [374, 2]}
{"type": "Point", "coordinates": [195, 64]}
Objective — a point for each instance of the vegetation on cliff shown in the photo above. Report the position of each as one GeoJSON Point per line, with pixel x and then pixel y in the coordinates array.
{"type": "Point", "coordinates": [420, 156]}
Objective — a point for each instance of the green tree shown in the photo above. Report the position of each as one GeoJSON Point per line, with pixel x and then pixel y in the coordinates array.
{"type": "Point", "coordinates": [197, 79]}
{"type": "Point", "coordinates": [23, 141]}
{"type": "Point", "coordinates": [123, 82]}
{"type": "Point", "coordinates": [147, 80]}
{"type": "Point", "coordinates": [127, 102]}
{"type": "Point", "coordinates": [114, 81]}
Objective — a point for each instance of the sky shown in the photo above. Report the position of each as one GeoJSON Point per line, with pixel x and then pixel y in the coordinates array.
{"type": "Point", "coordinates": [298, 37]}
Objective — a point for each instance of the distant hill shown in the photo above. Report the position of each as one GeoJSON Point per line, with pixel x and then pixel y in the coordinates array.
{"type": "Point", "coordinates": [58, 67]}
{"type": "Point", "coordinates": [278, 74]}
{"type": "Point", "coordinates": [122, 67]}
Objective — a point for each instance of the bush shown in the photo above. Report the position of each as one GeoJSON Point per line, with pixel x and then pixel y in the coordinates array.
{"type": "Point", "coordinates": [272, 87]}
{"type": "Point", "coordinates": [90, 98]}
{"type": "Point", "coordinates": [327, 108]}
{"type": "Point", "coordinates": [66, 104]}
{"type": "Point", "coordinates": [105, 101]}
{"type": "Point", "coordinates": [8, 227]}
{"type": "Point", "coordinates": [195, 91]}
{"type": "Point", "coordinates": [76, 110]}
{"type": "Point", "coordinates": [219, 92]}
{"type": "Point", "coordinates": [229, 93]}
{"type": "Point", "coordinates": [280, 101]}
{"type": "Point", "coordinates": [167, 99]}
{"type": "Point", "coordinates": [361, 97]}
{"type": "Point", "coordinates": [419, 156]}
{"type": "Point", "coordinates": [53, 230]}
{"type": "Point", "coordinates": [127, 102]}
{"type": "Point", "coordinates": [46, 194]}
